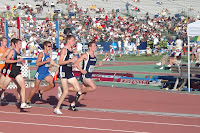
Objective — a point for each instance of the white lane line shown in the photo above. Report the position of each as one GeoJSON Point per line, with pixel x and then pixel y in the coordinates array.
{"type": "Point", "coordinates": [86, 128]}
{"type": "Point", "coordinates": [100, 119]}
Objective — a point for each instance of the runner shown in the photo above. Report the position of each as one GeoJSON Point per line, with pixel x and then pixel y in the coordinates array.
{"type": "Point", "coordinates": [66, 60]}
{"type": "Point", "coordinates": [43, 62]}
{"type": "Point", "coordinates": [14, 72]}
{"type": "Point", "coordinates": [3, 49]}
{"type": "Point", "coordinates": [89, 63]}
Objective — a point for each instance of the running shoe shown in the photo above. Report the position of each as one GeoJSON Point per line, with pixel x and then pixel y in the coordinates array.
{"type": "Point", "coordinates": [72, 108]}
{"type": "Point", "coordinates": [57, 111]}
{"type": "Point", "coordinates": [25, 106]}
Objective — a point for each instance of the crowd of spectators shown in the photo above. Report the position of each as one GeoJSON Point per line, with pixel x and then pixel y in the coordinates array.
{"type": "Point", "coordinates": [100, 27]}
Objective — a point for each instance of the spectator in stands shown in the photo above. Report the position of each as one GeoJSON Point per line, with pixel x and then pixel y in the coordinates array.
{"type": "Point", "coordinates": [19, 6]}
{"type": "Point", "coordinates": [100, 27]}
{"type": "Point", "coordinates": [165, 58]}
{"type": "Point", "coordinates": [127, 7]}
{"type": "Point", "coordinates": [138, 45]}
{"type": "Point", "coordinates": [23, 48]}
{"type": "Point", "coordinates": [175, 58]}
{"type": "Point", "coordinates": [194, 53]}
{"type": "Point", "coordinates": [158, 50]}
{"type": "Point", "coordinates": [79, 48]}
{"type": "Point", "coordinates": [44, 3]}
{"type": "Point", "coordinates": [148, 51]}
{"type": "Point", "coordinates": [126, 44]}
{"type": "Point", "coordinates": [67, 30]}
{"type": "Point", "coordinates": [14, 8]}
{"type": "Point", "coordinates": [52, 5]}
{"type": "Point", "coordinates": [179, 43]}
{"type": "Point", "coordinates": [198, 54]}
{"type": "Point", "coordinates": [108, 54]}
{"type": "Point", "coordinates": [8, 7]}
{"type": "Point", "coordinates": [155, 41]}
{"type": "Point", "coordinates": [31, 45]}
{"type": "Point", "coordinates": [120, 48]}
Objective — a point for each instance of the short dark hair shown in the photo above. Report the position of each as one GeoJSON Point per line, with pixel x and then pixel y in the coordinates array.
{"type": "Point", "coordinates": [90, 43]}
{"type": "Point", "coordinates": [17, 40]}
{"type": "Point", "coordinates": [13, 40]}
{"type": "Point", "coordinates": [45, 43]}
{"type": "Point", "coordinates": [68, 37]}
{"type": "Point", "coordinates": [1, 39]}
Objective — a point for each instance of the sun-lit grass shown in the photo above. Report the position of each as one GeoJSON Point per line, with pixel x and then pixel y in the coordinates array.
{"type": "Point", "coordinates": [133, 57]}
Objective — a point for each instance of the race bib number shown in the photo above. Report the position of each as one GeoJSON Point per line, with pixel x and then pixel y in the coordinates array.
{"type": "Point", "coordinates": [8, 71]}
{"type": "Point", "coordinates": [62, 74]}
{"type": "Point", "coordinates": [71, 56]}
{"type": "Point", "coordinates": [19, 64]}
{"type": "Point", "coordinates": [47, 65]}
{"type": "Point", "coordinates": [91, 68]}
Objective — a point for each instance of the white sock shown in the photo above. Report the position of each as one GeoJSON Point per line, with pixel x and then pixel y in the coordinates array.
{"type": "Point", "coordinates": [72, 104]}
{"type": "Point", "coordinates": [79, 93]}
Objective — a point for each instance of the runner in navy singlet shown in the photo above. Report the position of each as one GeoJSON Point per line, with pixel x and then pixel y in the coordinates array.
{"type": "Point", "coordinates": [89, 63]}
{"type": "Point", "coordinates": [66, 61]}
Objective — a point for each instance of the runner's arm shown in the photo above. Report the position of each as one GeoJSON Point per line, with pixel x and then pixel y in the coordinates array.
{"type": "Point", "coordinates": [10, 55]}
{"type": "Point", "coordinates": [76, 63]}
{"type": "Point", "coordinates": [3, 57]}
{"type": "Point", "coordinates": [100, 64]}
{"type": "Point", "coordinates": [39, 62]}
{"type": "Point", "coordinates": [62, 54]}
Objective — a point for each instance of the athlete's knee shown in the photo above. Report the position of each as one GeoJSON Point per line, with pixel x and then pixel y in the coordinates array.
{"type": "Point", "coordinates": [3, 89]}
{"type": "Point", "coordinates": [23, 86]}
{"type": "Point", "coordinates": [78, 89]}
{"type": "Point", "coordinates": [65, 91]}
{"type": "Point", "coordinates": [35, 89]}
{"type": "Point", "coordinates": [93, 87]}
{"type": "Point", "coordinates": [52, 85]}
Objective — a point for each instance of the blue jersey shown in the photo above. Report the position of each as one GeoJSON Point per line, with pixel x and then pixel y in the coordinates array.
{"type": "Point", "coordinates": [44, 68]}
{"type": "Point", "coordinates": [88, 65]}
{"type": "Point", "coordinates": [66, 70]}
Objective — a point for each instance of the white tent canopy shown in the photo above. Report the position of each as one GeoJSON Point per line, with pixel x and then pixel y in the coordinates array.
{"type": "Point", "coordinates": [193, 29]}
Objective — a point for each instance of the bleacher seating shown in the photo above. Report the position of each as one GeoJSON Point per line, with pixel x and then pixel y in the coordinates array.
{"type": "Point", "coordinates": [150, 6]}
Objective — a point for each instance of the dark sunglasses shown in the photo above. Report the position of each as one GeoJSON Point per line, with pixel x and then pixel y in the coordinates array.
{"type": "Point", "coordinates": [49, 46]}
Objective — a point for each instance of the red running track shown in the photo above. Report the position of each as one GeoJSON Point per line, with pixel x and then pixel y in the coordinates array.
{"type": "Point", "coordinates": [42, 119]}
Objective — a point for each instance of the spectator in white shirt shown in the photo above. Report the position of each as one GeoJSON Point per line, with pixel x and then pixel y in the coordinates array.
{"type": "Point", "coordinates": [120, 48]}
{"type": "Point", "coordinates": [179, 44]}
{"type": "Point", "coordinates": [32, 45]}
{"type": "Point", "coordinates": [23, 48]}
